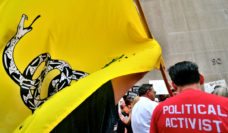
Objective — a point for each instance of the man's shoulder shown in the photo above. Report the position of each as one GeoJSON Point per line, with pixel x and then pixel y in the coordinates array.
{"type": "Point", "coordinates": [154, 103]}
{"type": "Point", "coordinates": [147, 101]}
{"type": "Point", "coordinates": [216, 99]}
{"type": "Point", "coordinates": [210, 97]}
{"type": "Point", "coordinates": [194, 96]}
{"type": "Point", "coordinates": [144, 103]}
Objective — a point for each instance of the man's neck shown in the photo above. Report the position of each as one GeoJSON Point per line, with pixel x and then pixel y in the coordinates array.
{"type": "Point", "coordinates": [195, 86]}
{"type": "Point", "coordinates": [146, 97]}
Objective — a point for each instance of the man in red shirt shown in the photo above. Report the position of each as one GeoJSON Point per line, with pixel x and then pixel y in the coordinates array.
{"type": "Point", "coordinates": [192, 110]}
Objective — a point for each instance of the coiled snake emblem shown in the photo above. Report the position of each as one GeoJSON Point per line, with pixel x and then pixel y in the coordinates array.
{"type": "Point", "coordinates": [30, 88]}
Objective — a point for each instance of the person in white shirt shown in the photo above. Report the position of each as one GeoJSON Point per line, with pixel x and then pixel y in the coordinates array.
{"type": "Point", "coordinates": [143, 109]}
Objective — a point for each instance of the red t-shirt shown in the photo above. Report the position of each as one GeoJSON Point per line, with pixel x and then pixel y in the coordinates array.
{"type": "Point", "coordinates": [191, 111]}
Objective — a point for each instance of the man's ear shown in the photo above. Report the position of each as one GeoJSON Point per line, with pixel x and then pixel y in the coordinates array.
{"type": "Point", "coordinates": [148, 92]}
{"type": "Point", "coordinates": [201, 79]}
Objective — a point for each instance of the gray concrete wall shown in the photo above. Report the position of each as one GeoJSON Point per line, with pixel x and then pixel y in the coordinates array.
{"type": "Point", "coordinates": [195, 30]}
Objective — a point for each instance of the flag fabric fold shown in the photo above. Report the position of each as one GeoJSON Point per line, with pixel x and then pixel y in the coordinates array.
{"type": "Point", "coordinates": [55, 54]}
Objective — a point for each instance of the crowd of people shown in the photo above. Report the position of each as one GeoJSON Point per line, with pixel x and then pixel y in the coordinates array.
{"type": "Point", "coordinates": [189, 110]}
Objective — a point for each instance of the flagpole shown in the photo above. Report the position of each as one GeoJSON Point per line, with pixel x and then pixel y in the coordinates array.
{"type": "Point", "coordinates": [143, 18]}
{"type": "Point", "coordinates": [162, 66]}
{"type": "Point", "coordinates": [162, 69]}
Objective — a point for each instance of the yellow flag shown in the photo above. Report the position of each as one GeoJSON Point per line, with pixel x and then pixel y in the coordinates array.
{"type": "Point", "coordinates": [74, 45]}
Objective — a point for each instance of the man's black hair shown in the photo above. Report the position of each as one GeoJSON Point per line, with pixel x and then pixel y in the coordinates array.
{"type": "Point", "coordinates": [184, 73]}
{"type": "Point", "coordinates": [128, 101]}
{"type": "Point", "coordinates": [143, 89]}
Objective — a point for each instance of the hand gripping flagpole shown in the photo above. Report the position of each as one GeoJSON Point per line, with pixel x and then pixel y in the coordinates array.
{"type": "Point", "coordinates": [162, 64]}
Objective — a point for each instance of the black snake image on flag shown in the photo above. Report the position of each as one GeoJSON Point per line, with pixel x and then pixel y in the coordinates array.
{"type": "Point", "coordinates": [30, 88]}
